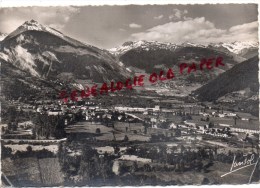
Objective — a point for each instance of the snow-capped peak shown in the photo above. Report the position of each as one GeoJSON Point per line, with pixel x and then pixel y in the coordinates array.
{"type": "Point", "coordinates": [190, 44]}
{"type": "Point", "coordinates": [234, 47]}
{"type": "Point", "coordinates": [142, 44]}
{"type": "Point", "coordinates": [2, 36]}
{"type": "Point", "coordinates": [237, 47]}
{"type": "Point", "coordinates": [34, 26]}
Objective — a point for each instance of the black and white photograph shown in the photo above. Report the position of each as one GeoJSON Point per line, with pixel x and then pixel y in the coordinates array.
{"type": "Point", "coordinates": [129, 95]}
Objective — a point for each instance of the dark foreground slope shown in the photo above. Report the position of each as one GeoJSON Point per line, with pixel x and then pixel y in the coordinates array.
{"type": "Point", "coordinates": [241, 76]}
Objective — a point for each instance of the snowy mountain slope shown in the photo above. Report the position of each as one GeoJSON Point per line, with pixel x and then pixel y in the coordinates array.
{"type": "Point", "coordinates": [245, 49]}
{"type": "Point", "coordinates": [34, 25]}
{"type": "Point", "coordinates": [238, 48]}
{"type": "Point", "coordinates": [142, 45]}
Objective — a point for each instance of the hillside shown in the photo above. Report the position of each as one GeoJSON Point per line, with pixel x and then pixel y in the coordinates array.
{"type": "Point", "coordinates": [241, 76]}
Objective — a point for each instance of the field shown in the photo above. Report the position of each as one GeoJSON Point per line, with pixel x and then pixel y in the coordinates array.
{"type": "Point", "coordinates": [210, 175]}
{"type": "Point", "coordinates": [117, 133]}
{"type": "Point", "coordinates": [32, 171]}
{"type": "Point", "coordinates": [213, 176]}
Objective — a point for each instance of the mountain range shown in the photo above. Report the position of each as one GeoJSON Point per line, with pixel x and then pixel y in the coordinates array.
{"type": "Point", "coordinates": [151, 56]}
{"type": "Point", "coordinates": [238, 48]}
{"type": "Point", "coordinates": [39, 59]}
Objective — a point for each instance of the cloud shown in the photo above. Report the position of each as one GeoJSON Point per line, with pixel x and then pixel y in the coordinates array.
{"type": "Point", "coordinates": [252, 27]}
{"type": "Point", "coordinates": [198, 30]}
{"type": "Point", "coordinates": [177, 14]}
{"type": "Point", "coordinates": [121, 29]}
{"type": "Point", "coordinates": [134, 25]}
{"type": "Point", "coordinates": [55, 17]}
{"type": "Point", "coordinates": [158, 17]}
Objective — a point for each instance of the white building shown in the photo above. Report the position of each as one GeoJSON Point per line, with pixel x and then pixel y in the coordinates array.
{"type": "Point", "coordinates": [231, 114]}
{"type": "Point", "coordinates": [135, 109]}
{"type": "Point", "coordinates": [54, 113]}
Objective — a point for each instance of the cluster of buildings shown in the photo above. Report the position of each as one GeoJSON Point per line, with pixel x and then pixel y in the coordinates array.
{"type": "Point", "coordinates": [216, 114]}
{"type": "Point", "coordinates": [150, 111]}
{"type": "Point", "coordinates": [92, 111]}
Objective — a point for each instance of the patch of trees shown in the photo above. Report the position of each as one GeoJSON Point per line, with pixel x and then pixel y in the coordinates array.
{"type": "Point", "coordinates": [17, 89]}
{"type": "Point", "coordinates": [98, 131]}
{"type": "Point", "coordinates": [182, 159]}
{"type": "Point", "coordinates": [91, 167]}
{"type": "Point", "coordinates": [11, 114]}
{"type": "Point", "coordinates": [159, 137]}
{"type": "Point", "coordinates": [5, 152]}
{"type": "Point", "coordinates": [49, 126]}
{"type": "Point", "coordinates": [44, 153]}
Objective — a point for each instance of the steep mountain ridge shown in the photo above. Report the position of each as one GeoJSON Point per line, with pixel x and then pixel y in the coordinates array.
{"type": "Point", "coordinates": [237, 87]}
{"type": "Point", "coordinates": [241, 76]}
{"type": "Point", "coordinates": [39, 56]}
{"type": "Point", "coordinates": [47, 53]}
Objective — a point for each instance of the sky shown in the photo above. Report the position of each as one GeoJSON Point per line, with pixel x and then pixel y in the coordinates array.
{"type": "Point", "coordinates": [111, 26]}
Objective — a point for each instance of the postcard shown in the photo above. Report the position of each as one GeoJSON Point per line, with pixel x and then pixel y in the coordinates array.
{"type": "Point", "coordinates": [129, 95]}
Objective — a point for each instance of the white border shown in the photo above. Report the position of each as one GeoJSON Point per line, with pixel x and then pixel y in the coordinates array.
{"type": "Point", "coordinates": [19, 3]}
